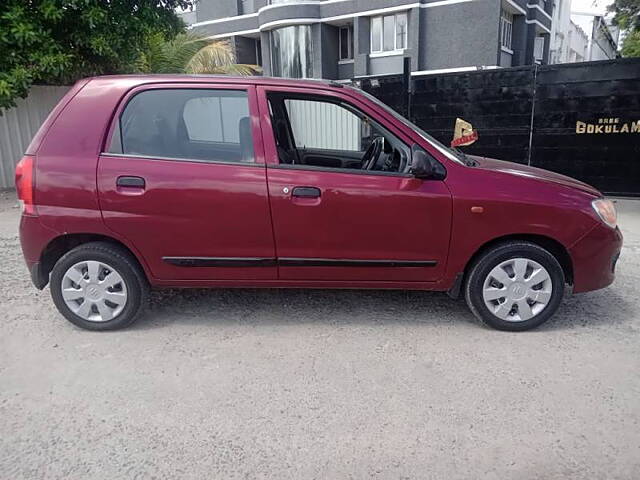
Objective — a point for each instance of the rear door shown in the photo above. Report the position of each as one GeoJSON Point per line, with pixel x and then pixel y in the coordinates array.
{"type": "Point", "coordinates": [340, 222]}
{"type": "Point", "coordinates": [182, 179]}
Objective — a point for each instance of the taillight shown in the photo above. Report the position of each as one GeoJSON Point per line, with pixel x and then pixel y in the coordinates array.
{"type": "Point", "coordinates": [24, 185]}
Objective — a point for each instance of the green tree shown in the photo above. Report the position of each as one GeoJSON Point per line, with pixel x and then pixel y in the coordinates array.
{"type": "Point", "coordinates": [189, 53]}
{"type": "Point", "coordinates": [59, 41]}
{"type": "Point", "coordinates": [631, 44]}
{"type": "Point", "coordinates": [627, 17]}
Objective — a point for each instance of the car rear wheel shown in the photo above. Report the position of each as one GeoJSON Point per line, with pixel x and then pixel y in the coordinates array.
{"type": "Point", "coordinates": [515, 286]}
{"type": "Point", "coordinates": [99, 286]}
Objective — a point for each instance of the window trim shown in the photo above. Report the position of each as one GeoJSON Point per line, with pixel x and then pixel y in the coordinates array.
{"type": "Point", "coordinates": [390, 53]}
{"type": "Point", "coordinates": [396, 50]}
{"type": "Point", "coordinates": [180, 159]}
{"type": "Point", "coordinates": [350, 171]}
{"type": "Point", "coordinates": [252, 101]}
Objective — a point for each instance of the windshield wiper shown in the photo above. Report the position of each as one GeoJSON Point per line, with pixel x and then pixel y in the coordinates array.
{"type": "Point", "coordinates": [468, 161]}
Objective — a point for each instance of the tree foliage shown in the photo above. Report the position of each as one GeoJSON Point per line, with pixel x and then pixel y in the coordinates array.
{"type": "Point", "coordinates": [631, 44]}
{"type": "Point", "coordinates": [59, 41]}
{"type": "Point", "coordinates": [627, 16]}
{"type": "Point", "coordinates": [189, 53]}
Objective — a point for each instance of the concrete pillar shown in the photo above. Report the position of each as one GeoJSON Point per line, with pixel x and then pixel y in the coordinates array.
{"type": "Point", "coordinates": [266, 54]}
{"type": "Point", "coordinates": [413, 38]}
{"type": "Point", "coordinates": [316, 42]}
{"type": "Point", "coordinates": [362, 46]}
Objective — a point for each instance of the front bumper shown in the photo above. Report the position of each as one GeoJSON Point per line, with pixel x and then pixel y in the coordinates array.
{"type": "Point", "coordinates": [595, 257]}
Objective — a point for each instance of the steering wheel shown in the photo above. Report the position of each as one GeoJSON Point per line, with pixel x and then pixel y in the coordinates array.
{"type": "Point", "coordinates": [370, 157]}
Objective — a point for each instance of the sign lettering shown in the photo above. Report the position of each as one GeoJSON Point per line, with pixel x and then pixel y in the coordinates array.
{"type": "Point", "coordinates": [607, 126]}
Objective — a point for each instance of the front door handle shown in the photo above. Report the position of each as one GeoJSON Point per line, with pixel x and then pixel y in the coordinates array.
{"type": "Point", "coordinates": [131, 182]}
{"type": "Point", "coordinates": [306, 192]}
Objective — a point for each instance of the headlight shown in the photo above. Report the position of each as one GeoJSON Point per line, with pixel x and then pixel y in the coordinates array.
{"type": "Point", "coordinates": [606, 210]}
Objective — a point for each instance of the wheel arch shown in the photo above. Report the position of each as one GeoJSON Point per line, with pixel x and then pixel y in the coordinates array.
{"type": "Point", "coordinates": [62, 244]}
{"type": "Point", "coordinates": [554, 247]}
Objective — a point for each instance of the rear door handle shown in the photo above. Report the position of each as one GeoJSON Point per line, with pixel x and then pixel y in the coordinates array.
{"type": "Point", "coordinates": [306, 192]}
{"type": "Point", "coordinates": [131, 182]}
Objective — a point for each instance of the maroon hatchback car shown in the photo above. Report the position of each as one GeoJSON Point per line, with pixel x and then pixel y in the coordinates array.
{"type": "Point", "coordinates": [200, 181]}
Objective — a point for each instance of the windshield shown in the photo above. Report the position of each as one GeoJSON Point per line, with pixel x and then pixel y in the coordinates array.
{"type": "Point", "coordinates": [446, 151]}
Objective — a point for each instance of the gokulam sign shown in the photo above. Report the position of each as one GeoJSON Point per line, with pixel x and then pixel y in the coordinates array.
{"type": "Point", "coordinates": [463, 134]}
{"type": "Point", "coordinates": [608, 125]}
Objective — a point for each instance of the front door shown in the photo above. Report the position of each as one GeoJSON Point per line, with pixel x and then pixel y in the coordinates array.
{"type": "Point", "coordinates": [344, 206]}
{"type": "Point", "coordinates": [183, 181]}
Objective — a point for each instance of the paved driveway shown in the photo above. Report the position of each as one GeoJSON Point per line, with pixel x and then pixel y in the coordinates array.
{"type": "Point", "coordinates": [319, 384]}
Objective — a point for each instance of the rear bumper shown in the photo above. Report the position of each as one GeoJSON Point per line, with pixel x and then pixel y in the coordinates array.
{"type": "Point", "coordinates": [594, 258]}
{"type": "Point", "coordinates": [34, 237]}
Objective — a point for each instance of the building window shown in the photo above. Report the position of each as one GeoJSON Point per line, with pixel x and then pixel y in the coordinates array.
{"type": "Point", "coordinates": [538, 49]}
{"type": "Point", "coordinates": [506, 28]}
{"type": "Point", "coordinates": [246, 7]}
{"type": "Point", "coordinates": [292, 52]}
{"type": "Point", "coordinates": [389, 33]}
{"type": "Point", "coordinates": [346, 43]}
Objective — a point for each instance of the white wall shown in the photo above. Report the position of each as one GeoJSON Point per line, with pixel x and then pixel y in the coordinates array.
{"type": "Point", "coordinates": [560, 31]}
{"type": "Point", "coordinates": [19, 124]}
{"type": "Point", "coordinates": [578, 44]}
{"type": "Point", "coordinates": [599, 46]}
{"type": "Point", "coordinates": [324, 125]}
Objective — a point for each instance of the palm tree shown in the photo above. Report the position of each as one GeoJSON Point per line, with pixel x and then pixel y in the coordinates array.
{"type": "Point", "coordinates": [189, 53]}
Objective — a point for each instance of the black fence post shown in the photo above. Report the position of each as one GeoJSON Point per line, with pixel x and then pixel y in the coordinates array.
{"type": "Point", "coordinates": [533, 113]}
{"type": "Point", "coordinates": [407, 85]}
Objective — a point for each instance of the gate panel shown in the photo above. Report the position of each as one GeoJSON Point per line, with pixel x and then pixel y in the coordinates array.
{"type": "Point", "coordinates": [587, 123]}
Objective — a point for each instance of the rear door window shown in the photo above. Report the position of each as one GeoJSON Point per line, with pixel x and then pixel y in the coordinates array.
{"type": "Point", "coordinates": [186, 124]}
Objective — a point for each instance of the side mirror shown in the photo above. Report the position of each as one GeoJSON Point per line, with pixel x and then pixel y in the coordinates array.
{"type": "Point", "coordinates": [421, 165]}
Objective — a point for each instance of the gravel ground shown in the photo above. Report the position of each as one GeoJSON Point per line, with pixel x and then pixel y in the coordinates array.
{"type": "Point", "coordinates": [319, 384]}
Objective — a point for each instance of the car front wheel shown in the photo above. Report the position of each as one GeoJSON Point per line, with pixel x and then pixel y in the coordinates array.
{"type": "Point", "coordinates": [99, 286]}
{"type": "Point", "coordinates": [515, 286]}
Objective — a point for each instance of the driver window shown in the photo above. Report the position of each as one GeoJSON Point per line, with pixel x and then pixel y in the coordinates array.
{"type": "Point", "coordinates": [320, 133]}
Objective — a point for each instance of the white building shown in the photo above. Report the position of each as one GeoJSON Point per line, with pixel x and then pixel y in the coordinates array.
{"type": "Point", "coordinates": [569, 42]}
{"type": "Point", "coordinates": [581, 32]}
{"type": "Point", "coordinates": [603, 37]}
{"type": "Point", "coordinates": [577, 44]}
{"type": "Point", "coordinates": [558, 48]}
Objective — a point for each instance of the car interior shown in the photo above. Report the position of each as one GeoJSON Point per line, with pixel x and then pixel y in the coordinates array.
{"type": "Point", "coordinates": [317, 132]}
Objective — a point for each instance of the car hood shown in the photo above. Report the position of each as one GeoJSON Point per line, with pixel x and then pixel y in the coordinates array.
{"type": "Point", "coordinates": [534, 173]}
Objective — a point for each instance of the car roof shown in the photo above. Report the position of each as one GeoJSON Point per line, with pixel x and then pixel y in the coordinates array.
{"type": "Point", "coordinates": [128, 80]}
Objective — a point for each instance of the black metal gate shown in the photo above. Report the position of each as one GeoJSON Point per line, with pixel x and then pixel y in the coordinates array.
{"type": "Point", "coordinates": [581, 119]}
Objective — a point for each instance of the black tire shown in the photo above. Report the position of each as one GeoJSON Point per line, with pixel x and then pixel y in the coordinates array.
{"type": "Point", "coordinates": [125, 265]}
{"type": "Point", "coordinates": [481, 268]}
